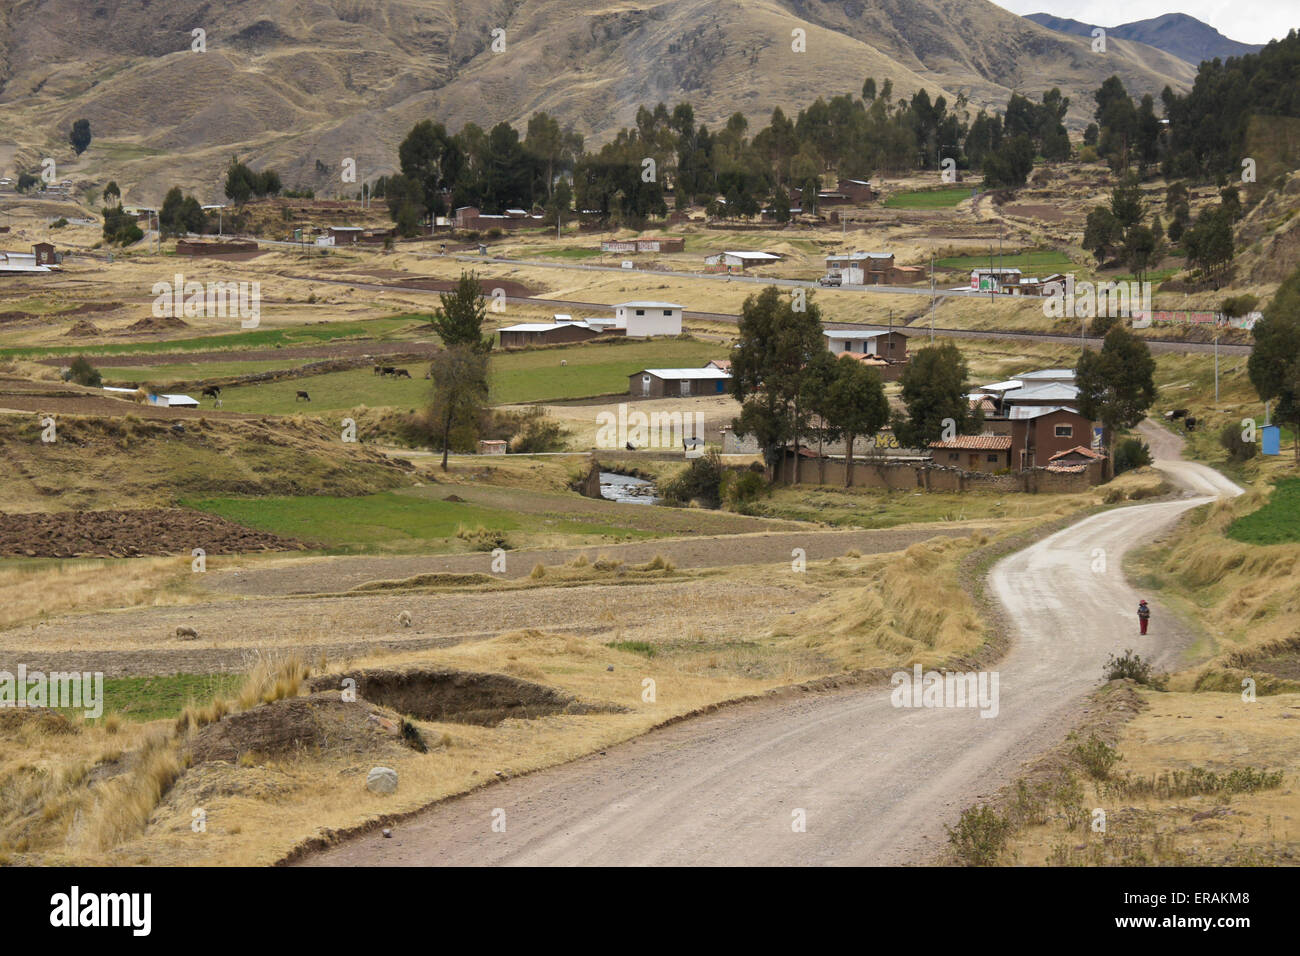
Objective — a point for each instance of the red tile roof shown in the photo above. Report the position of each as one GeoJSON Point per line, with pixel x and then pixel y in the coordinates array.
{"type": "Point", "coordinates": [1078, 450]}
{"type": "Point", "coordinates": [976, 443]}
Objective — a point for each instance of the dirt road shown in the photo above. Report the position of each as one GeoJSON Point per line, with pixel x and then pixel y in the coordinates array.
{"type": "Point", "coordinates": [875, 783]}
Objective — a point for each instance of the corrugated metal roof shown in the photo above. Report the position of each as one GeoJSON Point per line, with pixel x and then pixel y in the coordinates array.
{"type": "Point", "coordinates": [649, 305]}
{"type": "Point", "coordinates": [1023, 412]}
{"type": "Point", "coordinates": [681, 373]}
{"type": "Point", "coordinates": [851, 334]}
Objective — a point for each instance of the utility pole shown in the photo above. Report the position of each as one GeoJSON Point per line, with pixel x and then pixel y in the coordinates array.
{"type": "Point", "coordinates": [1216, 364]}
{"type": "Point", "coordinates": [931, 296]}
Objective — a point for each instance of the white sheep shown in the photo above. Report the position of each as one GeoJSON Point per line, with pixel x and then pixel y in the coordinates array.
{"type": "Point", "coordinates": [404, 619]}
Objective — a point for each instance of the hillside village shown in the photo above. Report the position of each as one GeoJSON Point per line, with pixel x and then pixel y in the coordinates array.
{"type": "Point", "coordinates": [671, 479]}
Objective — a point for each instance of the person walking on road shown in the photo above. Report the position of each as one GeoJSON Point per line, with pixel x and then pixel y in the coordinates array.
{"type": "Point", "coordinates": [1144, 615]}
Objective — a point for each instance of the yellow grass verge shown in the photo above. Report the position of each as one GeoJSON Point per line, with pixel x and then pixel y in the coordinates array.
{"type": "Point", "coordinates": [1160, 806]}
{"type": "Point", "coordinates": [1247, 596]}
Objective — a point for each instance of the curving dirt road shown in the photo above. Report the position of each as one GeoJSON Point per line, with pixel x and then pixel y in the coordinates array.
{"type": "Point", "coordinates": [875, 783]}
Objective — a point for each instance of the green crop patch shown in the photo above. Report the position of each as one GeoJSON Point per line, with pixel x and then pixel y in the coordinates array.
{"type": "Point", "coordinates": [928, 198]}
{"type": "Point", "coordinates": [1277, 522]}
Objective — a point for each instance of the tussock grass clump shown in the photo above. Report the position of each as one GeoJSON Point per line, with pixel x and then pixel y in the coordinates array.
{"type": "Point", "coordinates": [480, 538]}
{"type": "Point", "coordinates": [657, 563]}
{"type": "Point", "coordinates": [272, 678]}
{"type": "Point", "coordinates": [125, 803]}
{"type": "Point", "coordinates": [538, 572]}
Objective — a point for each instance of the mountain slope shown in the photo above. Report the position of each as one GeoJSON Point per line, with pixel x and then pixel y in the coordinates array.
{"type": "Point", "coordinates": [1185, 37]}
{"type": "Point", "coordinates": [297, 83]}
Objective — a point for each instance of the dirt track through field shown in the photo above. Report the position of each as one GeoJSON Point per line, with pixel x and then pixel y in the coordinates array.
{"type": "Point", "coordinates": [340, 574]}
{"type": "Point", "coordinates": [875, 783]}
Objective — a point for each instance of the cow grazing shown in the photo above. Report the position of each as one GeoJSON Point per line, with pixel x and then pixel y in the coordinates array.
{"type": "Point", "coordinates": [303, 397]}
{"type": "Point", "coordinates": [401, 373]}
{"type": "Point", "coordinates": [212, 391]}
{"type": "Point", "coordinates": [379, 370]}
{"type": "Point", "coordinates": [389, 370]}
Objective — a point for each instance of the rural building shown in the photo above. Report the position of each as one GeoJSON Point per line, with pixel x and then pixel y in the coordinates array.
{"type": "Point", "coordinates": [987, 453]}
{"type": "Point", "coordinates": [861, 268]}
{"type": "Point", "coordinates": [999, 279]}
{"type": "Point", "coordinates": [12, 263]}
{"type": "Point", "coordinates": [471, 217]}
{"type": "Point", "coordinates": [857, 190]}
{"type": "Point", "coordinates": [491, 446]}
{"type": "Point", "coordinates": [342, 235]}
{"type": "Point", "coordinates": [677, 382]}
{"type": "Point", "coordinates": [739, 260]}
{"type": "Point", "coordinates": [1037, 434]}
{"type": "Point", "coordinates": [724, 364]}
{"type": "Point", "coordinates": [545, 333]}
{"type": "Point", "coordinates": [45, 254]}
{"type": "Point", "coordinates": [642, 319]}
{"type": "Point", "coordinates": [870, 268]}
{"type": "Point", "coordinates": [882, 344]}
{"type": "Point", "coordinates": [643, 245]}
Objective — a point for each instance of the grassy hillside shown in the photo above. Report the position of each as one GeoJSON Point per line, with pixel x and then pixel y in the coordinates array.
{"type": "Point", "coordinates": [294, 84]}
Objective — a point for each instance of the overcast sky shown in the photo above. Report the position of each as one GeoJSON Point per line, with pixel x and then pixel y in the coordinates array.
{"type": "Point", "coordinates": [1250, 21]}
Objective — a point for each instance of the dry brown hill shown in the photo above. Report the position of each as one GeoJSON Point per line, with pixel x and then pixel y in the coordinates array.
{"type": "Point", "coordinates": [291, 83]}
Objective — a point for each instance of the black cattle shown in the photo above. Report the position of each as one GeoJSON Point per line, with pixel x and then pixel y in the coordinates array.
{"type": "Point", "coordinates": [303, 397]}
{"type": "Point", "coordinates": [212, 391]}
{"type": "Point", "coordinates": [401, 373]}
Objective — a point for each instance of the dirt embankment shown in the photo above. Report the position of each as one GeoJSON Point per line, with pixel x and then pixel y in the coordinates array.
{"type": "Point", "coordinates": [130, 534]}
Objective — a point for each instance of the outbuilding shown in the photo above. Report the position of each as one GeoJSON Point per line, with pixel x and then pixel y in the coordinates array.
{"type": "Point", "coordinates": [677, 382]}
{"type": "Point", "coordinates": [545, 333]}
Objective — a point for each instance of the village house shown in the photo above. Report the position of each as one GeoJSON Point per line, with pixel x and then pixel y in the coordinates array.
{"type": "Point", "coordinates": [739, 261]}
{"type": "Point", "coordinates": [891, 346]}
{"type": "Point", "coordinates": [471, 217]}
{"type": "Point", "coordinates": [14, 263]}
{"type": "Point", "coordinates": [1000, 279]}
{"type": "Point", "coordinates": [857, 190]}
{"type": "Point", "coordinates": [988, 453]}
{"type": "Point", "coordinates": [342, 235]}
{"type": "Point", "coordinates": [648, 244]}
{"type": "Point", "coordinates": [643, 319]}
{"type": "Point", "coordinates": [677, 382]}
{"type": "Point", "coordinates": [870, 268]}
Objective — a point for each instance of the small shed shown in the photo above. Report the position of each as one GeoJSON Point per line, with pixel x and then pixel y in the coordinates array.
{"type": "Point", "coordinates": [545, 333]}
{"type": "Point", "coordinates": [677, 382]}
{"type": "Point", "coordinates": [491, 446]}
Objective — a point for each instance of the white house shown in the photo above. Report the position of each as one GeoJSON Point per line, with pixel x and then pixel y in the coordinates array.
{"type": "Point", "coordinates": [854, 268]}
{"type": "Point", "coordinates": [740, 259]}
{"type": "Point", "coordinates": [881, 343]}
{"type": "Point", "coordinates": [642, 319]}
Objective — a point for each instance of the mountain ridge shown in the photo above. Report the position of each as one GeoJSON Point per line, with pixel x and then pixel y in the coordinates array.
{"type": "Point", "coordinates": [303, 84]}
{"type": "Point", "coordinates": [1179, 34]}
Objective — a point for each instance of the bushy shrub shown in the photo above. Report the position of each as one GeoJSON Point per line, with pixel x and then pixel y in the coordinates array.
{"type": "Point", "coordinates": [1237, 447]}
{"type": "Point", "coordinates": [700, 481]}
{"type": "Point", "coordinates": [1130, 666]}
{"type": "Point", "coordinates": [83, 373]}
{"type": "Point", "coordinates": [1131, 453]}
{"type": "Point", "coordinates": [980, 836]}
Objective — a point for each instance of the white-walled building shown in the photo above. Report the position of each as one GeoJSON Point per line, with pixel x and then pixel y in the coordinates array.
{"type": "Point", "coordinates": [642, 319]}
